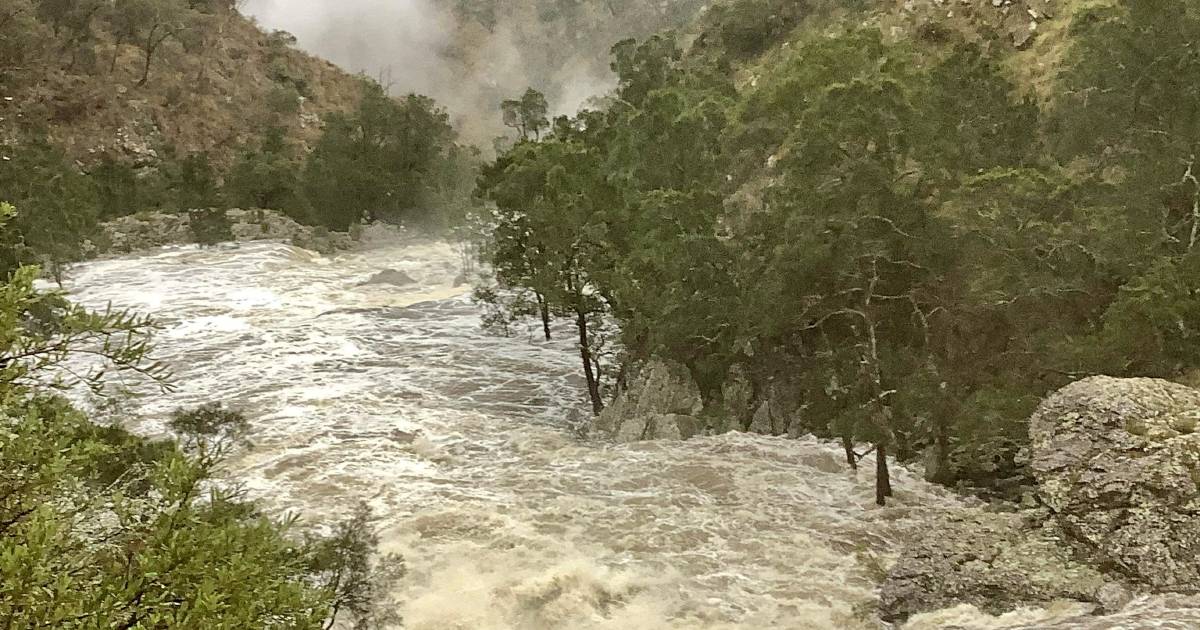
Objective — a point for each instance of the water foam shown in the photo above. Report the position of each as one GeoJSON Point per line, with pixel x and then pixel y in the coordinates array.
{"type": "Point", "coordinates": [459, 440]}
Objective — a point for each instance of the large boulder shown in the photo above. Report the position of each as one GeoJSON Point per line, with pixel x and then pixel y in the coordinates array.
{"type": "Point", "coordinates": [1118, 463]}
{"type": "Point", "coordinates": [995, 561]}
{"type": "Point", "coordinates": [393, 277]}
{"type": "Point", "coordinates": [662, 402]}
{"type": "Point", "coordinates": [145, 231]}
{"type": "Point", "coordinates": [1118, 468]}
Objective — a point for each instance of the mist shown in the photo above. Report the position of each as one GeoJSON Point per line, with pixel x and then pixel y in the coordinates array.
{"type": "Point", "coordinates": [423, 46]}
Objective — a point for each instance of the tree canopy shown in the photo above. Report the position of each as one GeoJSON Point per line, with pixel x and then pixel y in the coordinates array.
{"type": "Point", "coordinates": [891, 229]}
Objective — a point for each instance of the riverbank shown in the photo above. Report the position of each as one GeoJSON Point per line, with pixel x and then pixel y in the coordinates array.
{"type": "Point", "coordinates": [148, 230]}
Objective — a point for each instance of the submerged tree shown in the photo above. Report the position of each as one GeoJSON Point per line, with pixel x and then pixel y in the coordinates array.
{"type": "Point", "coordinates": [543, 193]}
{"type": "Point", "coordinates": [894, 228]}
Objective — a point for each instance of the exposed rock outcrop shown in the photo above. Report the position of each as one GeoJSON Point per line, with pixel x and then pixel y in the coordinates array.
{"type": "Point", "coordinates": [761, 422]}
{"type": "Point", "coordinates": [662, 403]}
{"type": "Point", "coordinates": [994, 561]}
{"type": "Point", "coordinates": [1118, 463]}
{"type": "Point", "coordinates": [149, 230]}
{"type": "Point", "coordinates": [1118, 467]}
{"type": "Point", "coordinates": [768, 404]}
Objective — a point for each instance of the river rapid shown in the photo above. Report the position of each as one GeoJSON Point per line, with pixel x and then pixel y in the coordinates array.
{"type": "Point", "coordinates": [461, 443]}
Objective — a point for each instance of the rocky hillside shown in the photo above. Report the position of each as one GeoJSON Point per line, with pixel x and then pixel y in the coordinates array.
{"type": "Point", "coordinates": [1031, 34]}
{"type": "Point", "coordinates": [141, 80]}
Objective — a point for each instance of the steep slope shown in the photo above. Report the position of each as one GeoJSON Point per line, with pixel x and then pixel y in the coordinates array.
{"type": "Point", "coordinates": [471, 54]}
{"type": "Point", "coordinates": [1031, 34]}
{"type": "Point", "coordinates": [72, 72]}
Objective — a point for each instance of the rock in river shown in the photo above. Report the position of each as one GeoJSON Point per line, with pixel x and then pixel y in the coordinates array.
{"type": "Point", "coordinates": [392, 277]}
{"type": "Point", "coordinates": [663, 402]}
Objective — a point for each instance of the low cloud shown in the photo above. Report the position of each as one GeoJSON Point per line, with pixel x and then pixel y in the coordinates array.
{"type": "Point", "coordinates": [419, 46]}
{"type": "Point", "coordinates": [416, 46]}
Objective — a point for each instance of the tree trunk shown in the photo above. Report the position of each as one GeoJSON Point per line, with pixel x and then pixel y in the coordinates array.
{"type": "Point", "coordinates": [112, 66]}
{"type": "Point", "coordinates": [585, 353]}
{"type": "Point", "coordinates": [883, 478]}
{"type": "Point", "coordinates": [146, 68]}
{"type": "Point", "coordinates": [544, 311]}
{"type": "Point", "coordinates": [851, 456]}
{"type": "Point", "coordinates": [153, 41]}
{"type": "Point", "coordinates": [904, 449]}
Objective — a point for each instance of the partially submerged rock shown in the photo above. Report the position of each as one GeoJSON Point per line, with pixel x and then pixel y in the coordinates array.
{"type": "Point", "coordinates": [1118, 463]}
{"type": "Point", "coordinates": [662, 402]}
{"type": "Point", "coordinates": [737, 396]}
{"type": "Point", "coordinates": [393, 277]}
{"type": "Point", "coordinates": [995, 561]}
{"type": "Point", "coordinates": [761, 421]}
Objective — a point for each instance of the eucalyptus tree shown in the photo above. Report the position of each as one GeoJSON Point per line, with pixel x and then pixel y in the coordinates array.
{"type": "Point", "coordinates": [527, 115]}
{"type": "Point", "coordinates": [381, 161]}
{"type": "Point", "coordinates": [545, 196]}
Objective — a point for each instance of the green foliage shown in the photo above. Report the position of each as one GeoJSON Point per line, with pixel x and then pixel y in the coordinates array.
{"type": "Point", "coordinates": [21, 38]}
{"type": "Point", "coordinates": [388, 160]}
{"type": "Point", "coordinates": [265, 176]}
{"type": "Point", "coordinates": [59, 207]}
{"type": "Point", "coordinates": [887, 227]}
{"type": "Point", "coordinates": [750, 27]}
{"type": "Point", "coordinates": [210, 226]}
{"type": "Point", "coordinates": [119, 190]}
{"type": "Point", "coordinates": [527, 114]}
{"type": "Point", "coordinates": [356, 581]}
{"type": "Point", "coordinates": [193, 183]}
{"type": "Point", "coordinates": [391, 159]}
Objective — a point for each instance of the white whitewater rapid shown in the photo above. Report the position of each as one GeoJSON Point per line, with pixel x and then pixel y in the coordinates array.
{"type": "Point", "coordinates": [459, 440]}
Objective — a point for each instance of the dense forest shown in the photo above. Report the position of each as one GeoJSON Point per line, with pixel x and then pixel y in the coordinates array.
{"type": "Point", "coordinates": [899, 233]}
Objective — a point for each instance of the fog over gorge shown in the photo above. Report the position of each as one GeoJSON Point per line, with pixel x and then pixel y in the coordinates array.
{"type": "Point", "coordinates": [470, 56]}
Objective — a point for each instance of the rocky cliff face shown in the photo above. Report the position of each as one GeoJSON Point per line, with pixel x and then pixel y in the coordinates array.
{"type": "Point", "coordinates": [213, 88]}
{"type": "Point", "coordinates": [1118, 467]}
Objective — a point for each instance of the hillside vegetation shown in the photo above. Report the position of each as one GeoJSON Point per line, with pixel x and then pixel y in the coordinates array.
{"type": "Point", "coordinates": [901, 223]}
{"type": "Point", "coordinates": [76, 72]}
{"type": "Point", "coordinates": [112, 108]}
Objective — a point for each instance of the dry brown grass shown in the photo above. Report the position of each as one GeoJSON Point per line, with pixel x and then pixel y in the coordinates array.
{"type": "Point", "coordinates": [215, 99]}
